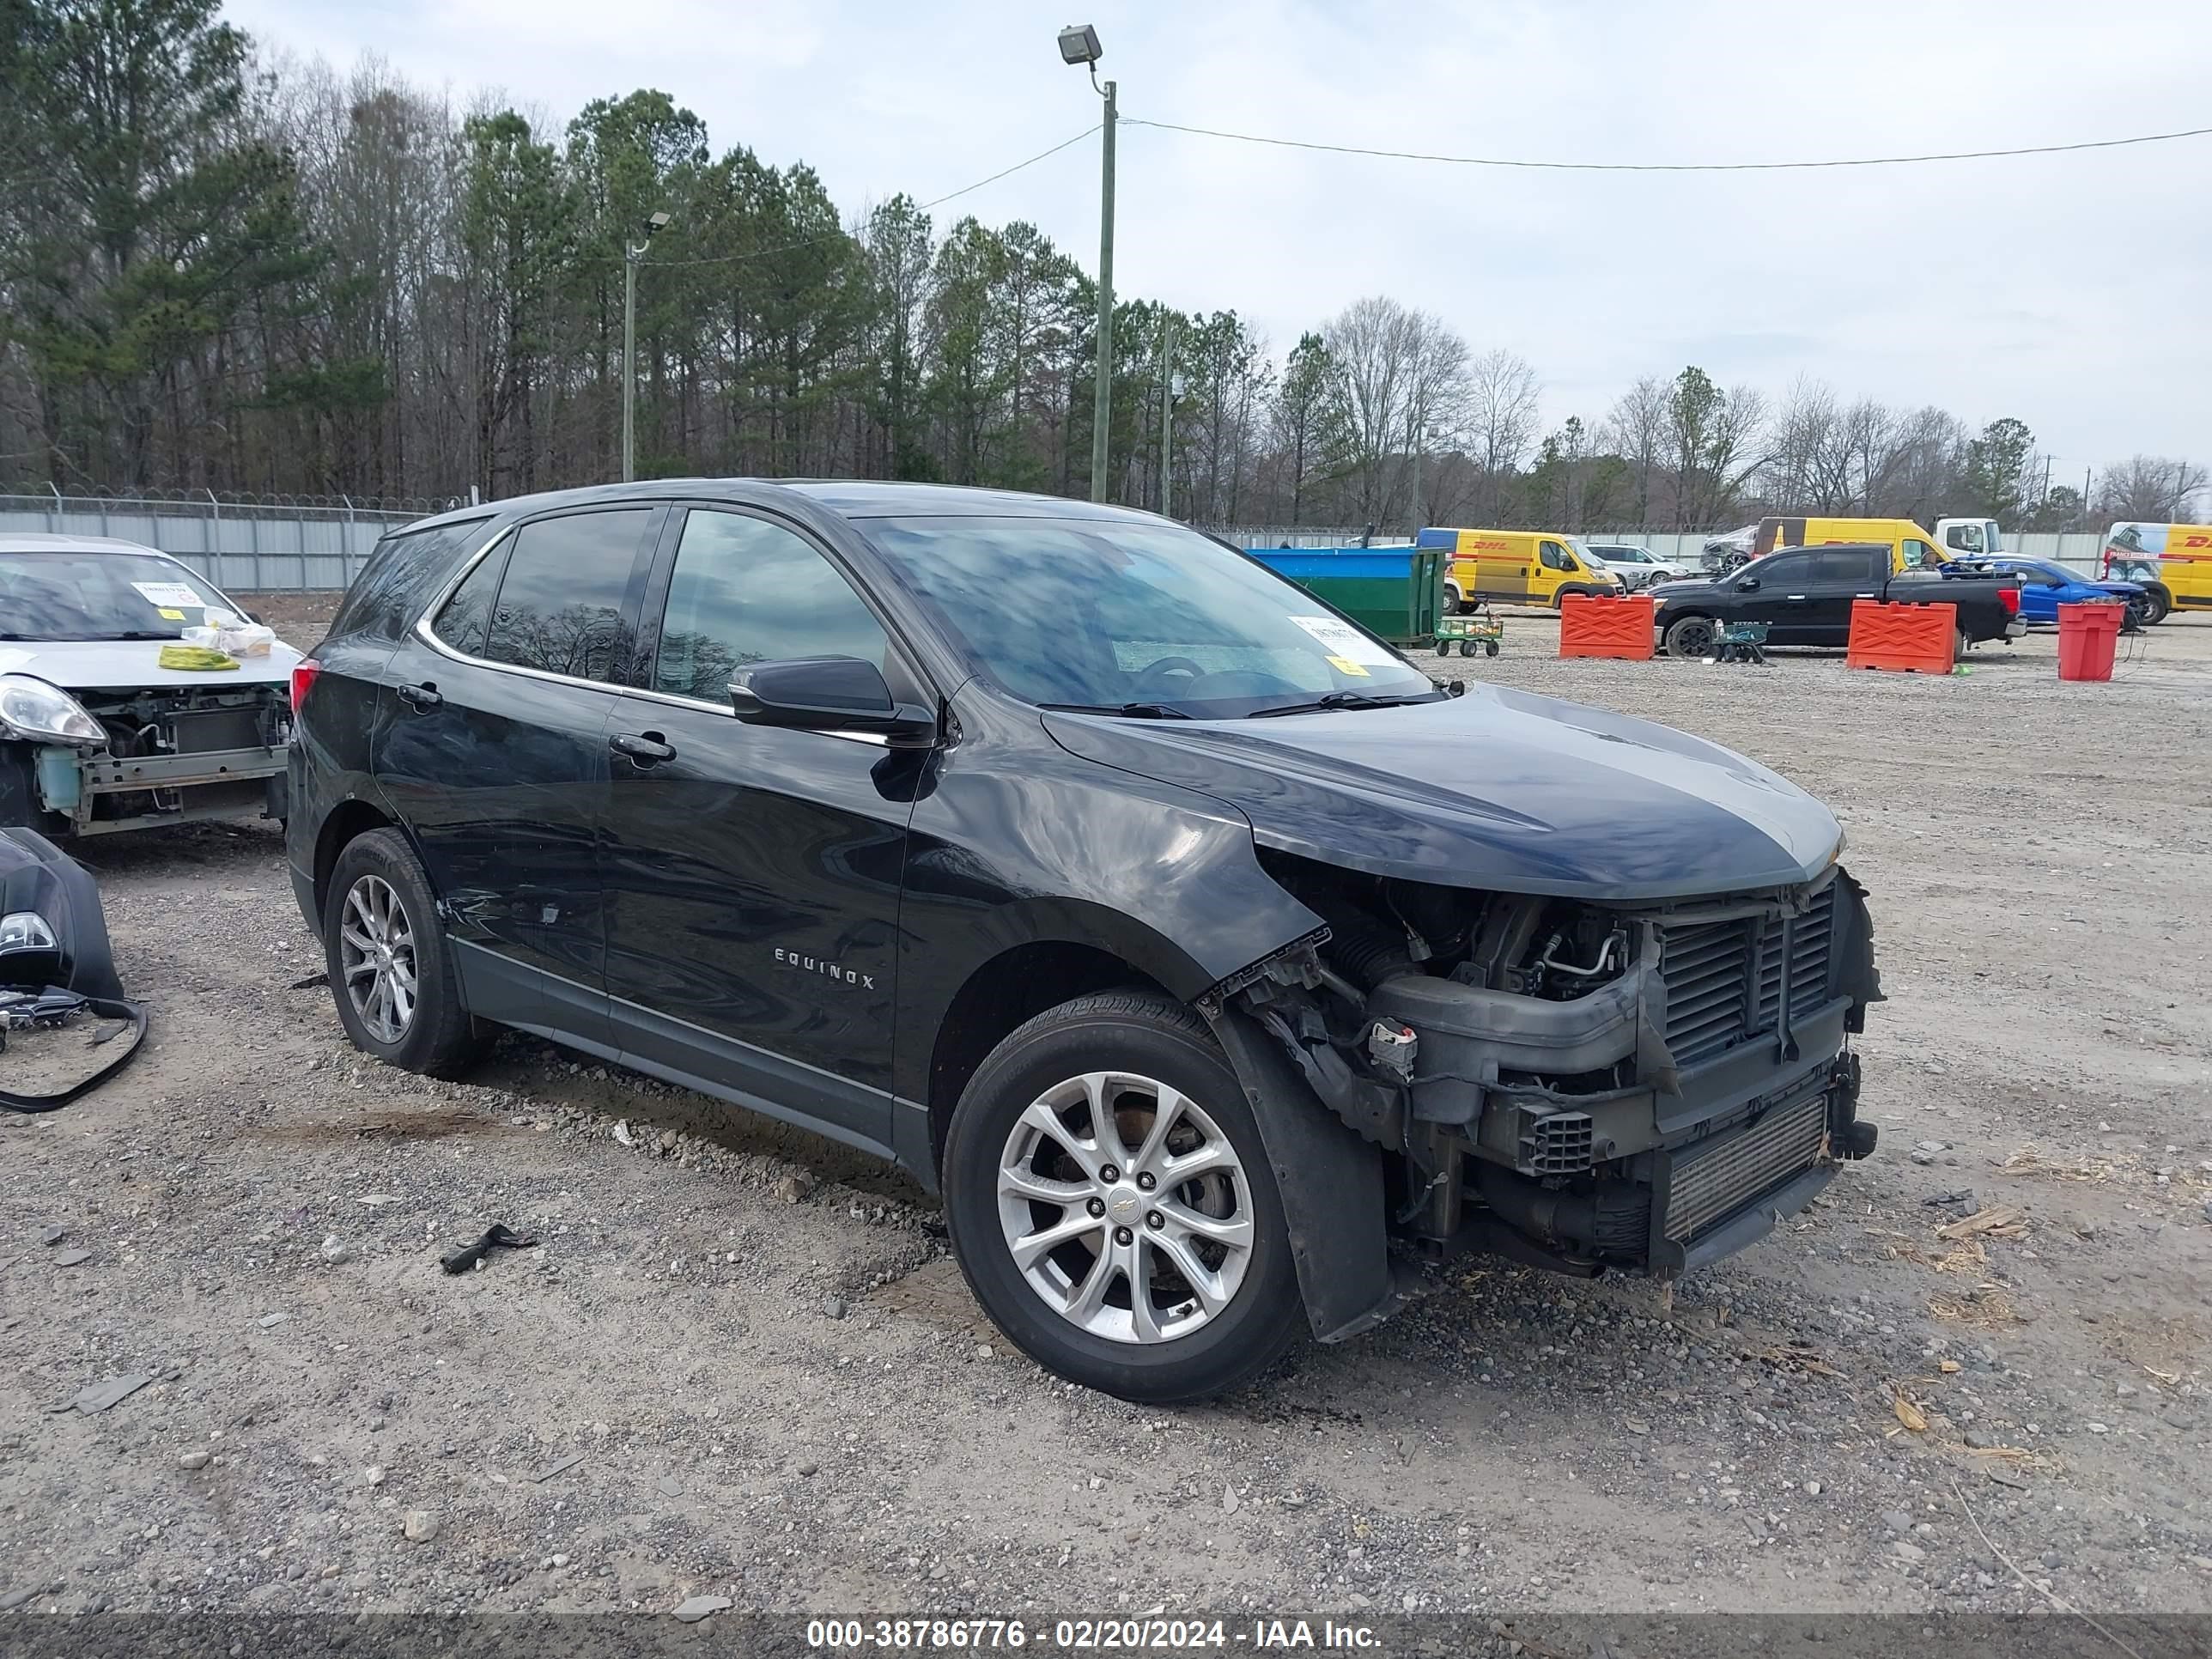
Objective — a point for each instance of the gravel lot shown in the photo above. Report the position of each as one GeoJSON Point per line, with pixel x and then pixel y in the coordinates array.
{"type": "Point", "coordinates": [739, 1363]}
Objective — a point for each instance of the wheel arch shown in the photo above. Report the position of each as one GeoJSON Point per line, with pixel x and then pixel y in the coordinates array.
{"type": "Point", "coordinates": [347, 821]}
{"type": "Point", "coordinates": [1003, 992]}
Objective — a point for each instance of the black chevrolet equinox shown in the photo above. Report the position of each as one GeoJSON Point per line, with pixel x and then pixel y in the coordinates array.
{"type": "Point", "coordinates": [1217, 967]}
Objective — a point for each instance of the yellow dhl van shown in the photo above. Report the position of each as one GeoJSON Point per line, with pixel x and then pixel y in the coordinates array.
{"type": "Point", "coordinates": [1911, 548]}
{"type": "Point", "coordinates": [1518, 567]}
{"type": "Point", "coordinates": [2173, 563]}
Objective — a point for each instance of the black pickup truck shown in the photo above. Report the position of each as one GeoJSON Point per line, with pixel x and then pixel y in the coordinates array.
{"type": "Point", "coordinates": [1804, 594]}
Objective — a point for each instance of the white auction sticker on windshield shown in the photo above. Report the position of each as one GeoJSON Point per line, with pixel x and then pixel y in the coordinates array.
{"type": "Point", "coordinates": [161, 593]}
{"type": "Point", "coordinates": [1343, 639]}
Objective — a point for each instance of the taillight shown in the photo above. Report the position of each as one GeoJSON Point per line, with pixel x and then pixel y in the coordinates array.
{"type": "Point", "coordinates": [303, 681]}
{"type": "Point", "coordinates": [2009, 597]}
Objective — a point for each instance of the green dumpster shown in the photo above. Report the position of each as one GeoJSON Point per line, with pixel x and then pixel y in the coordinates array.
{"type": "Point", "coordinates": [1395, 591]}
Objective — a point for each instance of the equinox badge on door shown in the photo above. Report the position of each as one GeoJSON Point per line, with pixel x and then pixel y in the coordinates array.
{"type": "Point", "coordinates": [816, 965]}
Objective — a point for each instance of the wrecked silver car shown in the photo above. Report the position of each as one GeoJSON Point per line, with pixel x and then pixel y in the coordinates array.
{"type": "Point", "coordinates": [97, 733]}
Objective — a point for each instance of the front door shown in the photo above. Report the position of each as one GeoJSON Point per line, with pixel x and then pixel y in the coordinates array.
{"type": "Point", "coordinates": [753, 873]}
{"type": "Point", "coordinates": [2038, 593]}
{"type": "Point", "coordinates": [1555, 567]}
{"type": "Point", "coordinates": [491, 743]}
{"type": "Point", "coordinates": [1782, 597]}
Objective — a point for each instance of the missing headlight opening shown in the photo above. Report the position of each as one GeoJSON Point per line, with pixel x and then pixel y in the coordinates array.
{"type": "Point", "coordinates": [1581, 1085]}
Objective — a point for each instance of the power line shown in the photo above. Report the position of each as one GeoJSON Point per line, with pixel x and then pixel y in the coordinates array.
{"type": "Point", "coordinates": [1670, 167]}
{"type": "Point", "coordinates": [923, 207]}
{"type": "Point", "coordinates": [1003, 172]}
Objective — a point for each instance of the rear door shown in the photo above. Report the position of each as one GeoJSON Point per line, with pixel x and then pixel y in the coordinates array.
{"type": "Point", "coordinates": [495, 757]}
{"type": "Point", "coordinates": [1840, 577]}
{"type": "Point", "coordinates": [753, 873]}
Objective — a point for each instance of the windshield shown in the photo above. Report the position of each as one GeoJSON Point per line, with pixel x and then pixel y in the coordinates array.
{"type": "Point", "coordinates": [101, 596]}
{"type": "Point", "coordinates": [1099, 615]}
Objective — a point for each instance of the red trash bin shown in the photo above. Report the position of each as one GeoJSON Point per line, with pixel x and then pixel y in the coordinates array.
{"type": "Point", "coordinates": [2086, 635]}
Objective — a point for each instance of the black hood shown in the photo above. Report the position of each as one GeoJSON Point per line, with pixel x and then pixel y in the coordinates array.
{"type": "Point", "coordinates": [1496, 789]}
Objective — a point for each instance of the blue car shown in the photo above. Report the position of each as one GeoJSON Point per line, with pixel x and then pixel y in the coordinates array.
{"type": "Point", "coordinates": [2046, 585]}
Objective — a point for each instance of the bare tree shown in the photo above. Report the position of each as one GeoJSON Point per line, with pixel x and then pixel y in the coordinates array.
{"type": "Point", "coordinates": [1367, 341]}
{"type": "Point", "coordinates": [1502, 399]}
{"type": "Point", "coordinates": [1401, 377]}
{"type": "Point", "coordinates": [1925, 455]}
{"type": "Point", "coordinates": [2154, 489]}
{"type": "Point", "coordinates": [1636, 430]}
{"type": "Point", "coordinates": [1808, 464]}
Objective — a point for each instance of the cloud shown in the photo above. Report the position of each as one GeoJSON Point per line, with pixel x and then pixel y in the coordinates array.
{"type": "Point", "coordinates": [2068, 291]}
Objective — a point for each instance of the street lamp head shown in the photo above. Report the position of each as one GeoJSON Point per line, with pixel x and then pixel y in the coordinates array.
{"type": "Point", "coordinates": [656, 222]}
{"type": "Point", "coordinates": [1078, 44]}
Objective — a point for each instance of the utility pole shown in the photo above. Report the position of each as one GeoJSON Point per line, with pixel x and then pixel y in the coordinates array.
{"type": "Point", "coordinates": [1078, 46]}
{"type": "Point", "coordinates": [631, 255]}
{"type": "Point", "coordinates": [1102, 406]}
{"type": "Point", "coordinates": [1167, 414]}
{"type": "Point", "coordinates": [1420, 434]}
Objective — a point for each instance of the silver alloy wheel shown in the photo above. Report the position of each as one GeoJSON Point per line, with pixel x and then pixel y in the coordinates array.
{"type": "Point", "coordinates": [376, 955]}
{"type": "Point", "coordinates": [1125, 1208]}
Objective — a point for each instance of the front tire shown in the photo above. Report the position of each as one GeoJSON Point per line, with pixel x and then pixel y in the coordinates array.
{"type": "Point", "coordinates": [1112, 1207]}
{"type": "Point", "coordinates": [391, 974]}
{"type": "Point", "coordinates": [1691, 636]}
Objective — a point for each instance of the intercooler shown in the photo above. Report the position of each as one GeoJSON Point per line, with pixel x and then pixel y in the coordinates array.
{"type": "Point", "coordinates": [1714, 1178]}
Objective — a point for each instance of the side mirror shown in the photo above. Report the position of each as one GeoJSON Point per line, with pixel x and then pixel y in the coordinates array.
{"type": "Point", "coordinates": [1746, 585]}
{"type": "Point", "coordinates": [826, 694]}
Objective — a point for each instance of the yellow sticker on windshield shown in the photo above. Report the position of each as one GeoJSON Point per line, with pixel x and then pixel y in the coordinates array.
{"type": "Point", "coordinates": [1346, 666]}
{"type": "Point", "coordinates": [172, 615]}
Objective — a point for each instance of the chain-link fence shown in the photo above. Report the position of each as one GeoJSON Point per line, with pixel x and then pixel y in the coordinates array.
{"type": "Point", "coordinates": [276, 544]}
{"type": "Point", "coordinates": [256, 544]}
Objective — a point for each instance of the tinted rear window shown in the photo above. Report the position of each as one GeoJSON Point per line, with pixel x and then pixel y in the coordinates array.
{"type": "Point", "coordinates": [564, 604]}
{"type": "Point", "coordinates": [462, 620]}
{"type": "Point", "coordinates": [402, 573]}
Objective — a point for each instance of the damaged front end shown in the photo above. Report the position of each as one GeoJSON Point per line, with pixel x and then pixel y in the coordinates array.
{"type": "Point", "coordinates": [151, 755]}
{"type": "Point", "coordinates": [1582, 1086]}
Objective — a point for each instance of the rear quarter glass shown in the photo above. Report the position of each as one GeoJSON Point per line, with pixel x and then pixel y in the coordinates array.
{"type": "Point", "coordinates": [402, 574]}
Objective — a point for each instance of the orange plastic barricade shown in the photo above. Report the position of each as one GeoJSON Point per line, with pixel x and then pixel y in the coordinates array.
{"type": "Point", "coordinates": [1620, 628]}
{"type": "Point", "coordinates": [2086, 635]}
{"type": "Point", "coordinates": [1910, 639]}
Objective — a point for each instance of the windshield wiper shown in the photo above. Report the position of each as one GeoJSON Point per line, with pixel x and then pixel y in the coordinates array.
{"type": "Point", "coordinates": [1134, 711]}
{"type": "Point", "coordinates": [129, 634]}
{"type": "Point", "coordinates": [1341, 700]}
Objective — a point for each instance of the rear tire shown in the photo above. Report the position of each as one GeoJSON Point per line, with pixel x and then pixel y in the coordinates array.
{"type": "Point", "coordinates": [1024, 1158]}
{"type": "Point", "coordinates": [391, 976]}
{"type": "Point", "coordinates": [2156, 607]}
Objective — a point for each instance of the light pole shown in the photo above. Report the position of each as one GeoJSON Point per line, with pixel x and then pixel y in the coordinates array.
{"type": "Point", "coordinates": [1078, 44]}
{"type": "Point", "coordinates": [1170, 389]}
{"type": "Point", "coordinates": [631, 255]}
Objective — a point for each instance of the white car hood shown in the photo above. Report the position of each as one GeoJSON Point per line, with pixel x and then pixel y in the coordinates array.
{"type": "Point", "coordinates": [133, 665]}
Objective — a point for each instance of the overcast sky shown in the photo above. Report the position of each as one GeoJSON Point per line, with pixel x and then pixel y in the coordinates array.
{"type": "Point", "coordinates": [2074, 292]}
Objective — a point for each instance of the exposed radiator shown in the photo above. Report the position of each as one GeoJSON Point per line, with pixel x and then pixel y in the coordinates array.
{"type": "Point", "coordinates": [1717, 1177]}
